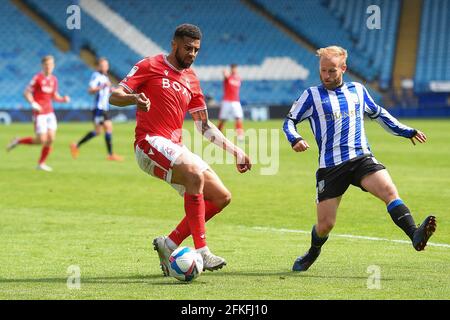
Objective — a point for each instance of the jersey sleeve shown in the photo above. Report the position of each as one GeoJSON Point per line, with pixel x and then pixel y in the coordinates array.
{"type": "Point", "coordinates": [385, 119]}
{"type": "Point", "coordinates": [301, 109]}
{"type": "Point", "coordinates": [93, 82]}
{"type": "Point", "coordinates": [370, 107]}
{"type": "Point", "coordinates": [55, 91]}
{"type": "Point", "coordinates": [197, 102]}
{"type": "Point", "coordinates": [136, 77]}
{"type": "Point", "coordinates": [33, 84]}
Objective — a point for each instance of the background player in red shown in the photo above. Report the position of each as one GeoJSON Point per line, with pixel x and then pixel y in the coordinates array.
{"type": "Point", "coordinates": [231, 104]}
{"type": "Point", "coordinates": [163, 88]}
{"type": "Point", "coordinates": [43, 89]}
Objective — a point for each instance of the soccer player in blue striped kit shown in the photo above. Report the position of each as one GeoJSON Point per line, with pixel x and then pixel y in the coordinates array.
{"type": "Point", "coordinates": [336, 111]}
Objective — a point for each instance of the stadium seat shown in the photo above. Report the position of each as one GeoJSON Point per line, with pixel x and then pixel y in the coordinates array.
{"type": "Point", "coordinates": [21, 59]}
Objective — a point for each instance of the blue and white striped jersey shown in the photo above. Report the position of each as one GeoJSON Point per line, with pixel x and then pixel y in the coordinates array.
{"type": "Point", "coordinates": [102, 96]}
{"type": "Point", "coordinates": [337, 121]}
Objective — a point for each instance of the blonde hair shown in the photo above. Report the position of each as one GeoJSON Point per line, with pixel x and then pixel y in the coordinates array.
{"type": "Point", "coordinates": [332, 51]}
{"type": "Point", "coordinates": [46, 58]}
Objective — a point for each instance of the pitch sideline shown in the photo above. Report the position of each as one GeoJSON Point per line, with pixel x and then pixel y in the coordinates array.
{"type": "Point", "coordinates": [348, 236]}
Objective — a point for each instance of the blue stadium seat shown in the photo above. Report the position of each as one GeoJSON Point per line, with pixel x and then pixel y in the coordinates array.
{"type": "Point", "coordinates": [433, 59]}
{"type": "Point", "coordinates": [343, 22]}
{"type": "Point", "coordinates": [23, 45]}
{"type": "Point", "coordinates": [225, 40]}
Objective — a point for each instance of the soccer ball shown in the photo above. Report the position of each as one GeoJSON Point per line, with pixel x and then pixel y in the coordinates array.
{"type": "Point", "coordinates": [186, 264]}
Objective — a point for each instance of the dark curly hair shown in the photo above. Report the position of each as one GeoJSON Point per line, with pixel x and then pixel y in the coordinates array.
{"type": "Point", "coordinates": [188, 30]}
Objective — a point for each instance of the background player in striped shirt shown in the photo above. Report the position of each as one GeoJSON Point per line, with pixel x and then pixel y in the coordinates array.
{"type": "Point", "coordinates": [163, 89]}
{"type": "Point", "coordinates": [100, 86]}
{"type": "Point", "coordinates": [43, 89]}
{"type": "Point", "coordinates": [231, 103]}
{"type": "Point", "coordinates": [336, 111]}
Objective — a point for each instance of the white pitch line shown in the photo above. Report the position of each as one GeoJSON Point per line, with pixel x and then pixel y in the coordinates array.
{"type": "Point", "coordinates": [348, 236]}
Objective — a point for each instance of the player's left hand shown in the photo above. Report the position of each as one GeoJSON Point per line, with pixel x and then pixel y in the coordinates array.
{"type": "Point", "coordinates": [66, 99]}
{"type": "Point", "coordinates": [419, 136]}
{"type": "Point", "coordinates": [243, 162]}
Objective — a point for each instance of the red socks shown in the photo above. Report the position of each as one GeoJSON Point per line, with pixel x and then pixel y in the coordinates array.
{"type": "Point", "coordinates": [27, 140]}
{"type": "Point", "coordinates": [182, 231]}
{"type": "Point", "coordinates": [45, 149]}
{"type": "Point", "coordinates": [194, 206]}
{"type": "Point", "coordinates": [44, 154]}
{"type": "Point", "coordinates": [239, 128]}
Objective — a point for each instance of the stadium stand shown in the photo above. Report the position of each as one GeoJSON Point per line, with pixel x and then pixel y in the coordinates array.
{"type": "Point", "coordinates": [371, 51]}
{"type": "Point", "coordinates": [20, 60]}
{"type": "Point", "coordinates": [433, 59]}
{"type": "Point", "coordinates": [225, 41]}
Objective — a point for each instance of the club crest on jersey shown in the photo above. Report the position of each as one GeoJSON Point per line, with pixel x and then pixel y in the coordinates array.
{"type": "Point", "coordinates": [325, 101]}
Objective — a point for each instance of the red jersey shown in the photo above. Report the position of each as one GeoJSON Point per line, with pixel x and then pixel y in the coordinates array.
{"type": "Point", "coordinates": [231, 86]}
{"type": "Point", "coordinates": [171, 92]}
{"type": "Point", "coordinates": [43, 89]}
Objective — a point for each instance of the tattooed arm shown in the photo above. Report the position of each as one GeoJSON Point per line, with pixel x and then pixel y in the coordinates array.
{"type": "Point", "coordinates": [210, 132]}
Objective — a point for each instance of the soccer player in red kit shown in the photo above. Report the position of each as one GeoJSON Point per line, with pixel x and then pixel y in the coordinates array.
{"type": "Point", "coordinates": [163, 88]}
{"type": "Point", "coordinates": [42, 89]}
{"type": "Point", "coordinates": [231, 104]}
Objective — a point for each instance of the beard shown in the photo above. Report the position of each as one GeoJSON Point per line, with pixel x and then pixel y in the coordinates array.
{"type": "Point", "coordinates": [181, 62]}
{"type": "Point", "coordinates": [333, 84]}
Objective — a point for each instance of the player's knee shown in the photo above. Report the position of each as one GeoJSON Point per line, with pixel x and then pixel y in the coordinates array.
{"type": "Point", "coordinates": [224, 200]}
{"type": "Point", "coordinates": [325, 226]}
{"type": "Point", "coordinates": [390, 193]}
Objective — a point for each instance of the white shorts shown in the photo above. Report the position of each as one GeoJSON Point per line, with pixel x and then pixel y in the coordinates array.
{"type": "Point", "coordinates": [156, 156]}
{"type": "Point", "coordinates": [45, 122]}
{"type": "Point", "coordinates": [231, 110]}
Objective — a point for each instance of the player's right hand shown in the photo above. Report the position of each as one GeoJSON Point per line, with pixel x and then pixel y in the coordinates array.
{"type": "Point", "coordinates": [301, 146]}
{"type": "Point", "coordinates": [419, 136]}
{"type": "Point", "coordinates": [142, 102]}
{"type": "Point", "coordinates": [243, 162]}
{"type": "Point", "coordinates": [36, 106]}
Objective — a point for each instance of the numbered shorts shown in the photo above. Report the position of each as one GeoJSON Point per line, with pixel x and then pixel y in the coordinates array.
{"type": "Point", "coordinates": [231, 110]}
{"type": "Point", "coordinates": [156, 156]}
{"type": "Point", "coordinates": [45, 122]}
{"type": "Point", "coordinates": [100, 116]}
{"type": "Point", "coordinates": [334, 181]}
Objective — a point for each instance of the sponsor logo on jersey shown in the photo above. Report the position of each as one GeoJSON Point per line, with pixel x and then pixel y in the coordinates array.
{"type": "Point", "coordinates": [339, 115]}
{"type": "Point", "coordinates": [47, 86]}
{"type": "Point", "coordinates": [166, 84]}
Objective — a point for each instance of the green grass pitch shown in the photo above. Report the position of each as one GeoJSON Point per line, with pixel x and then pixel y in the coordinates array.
{"type": "Point", "coordinates": [102, 216]}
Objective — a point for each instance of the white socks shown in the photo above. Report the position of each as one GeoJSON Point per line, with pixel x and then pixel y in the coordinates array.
{"type": "Point", "coordinates": [170, 244]}
{"type": "Point", "coordinates": [203, 250]}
